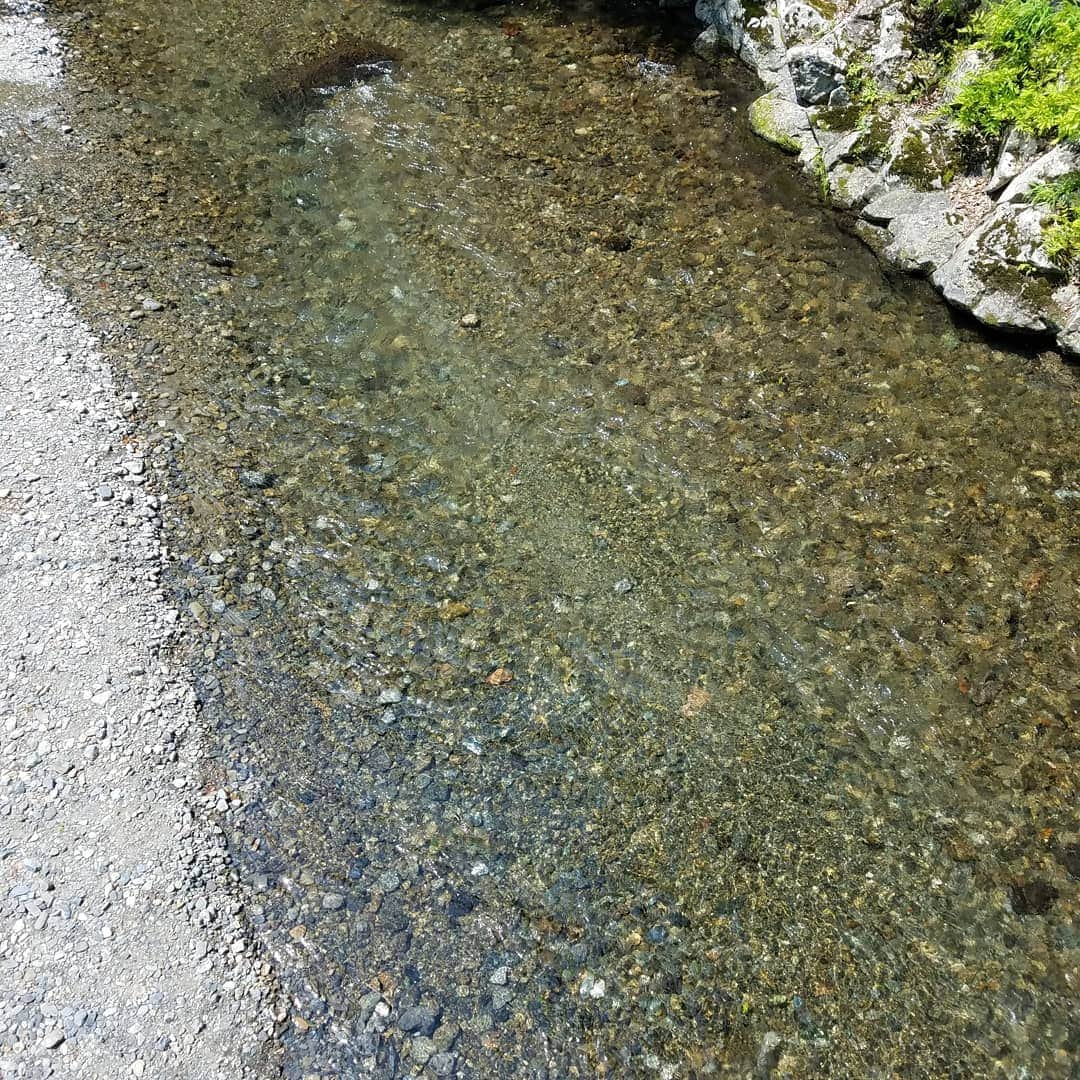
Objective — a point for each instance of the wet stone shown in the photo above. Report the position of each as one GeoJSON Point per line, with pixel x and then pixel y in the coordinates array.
{"type": "Point", "coordinates": [419, 1020]}
{"type": "Point", "coordinates": [1032, 897]}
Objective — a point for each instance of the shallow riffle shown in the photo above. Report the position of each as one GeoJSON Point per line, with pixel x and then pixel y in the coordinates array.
{"type": "Point", "coordinates": [679, 653]}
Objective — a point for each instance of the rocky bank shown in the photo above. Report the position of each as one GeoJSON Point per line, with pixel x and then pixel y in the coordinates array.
{"type": "Point", "coordinates": [900, 166]}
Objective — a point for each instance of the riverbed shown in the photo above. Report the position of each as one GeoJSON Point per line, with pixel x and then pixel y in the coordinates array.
{"type": "Point", "coordinates": [641, 630]}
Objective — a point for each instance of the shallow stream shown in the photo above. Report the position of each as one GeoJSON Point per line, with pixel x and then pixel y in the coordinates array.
{"type": "Point", "coordinates": [637, 624]}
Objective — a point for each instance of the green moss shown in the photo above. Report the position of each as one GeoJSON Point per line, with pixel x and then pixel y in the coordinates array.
{"type": "Point", "coordinates": [914, 162]}
{"type": "Point", "coordinates": [873, 143]}
{"type": "Point", "coordinates": [764, 123]}
{"type": "Point", "coordinates": [844, 118]}
{"type": "Point", "coordinates": [924, 160]}
{"type": "Point", "coordinates": [1033, 79]}
{"type": "Point", "coordinates": [821, 174]}
{"type": "Point", "coordinates": [1016, 281]}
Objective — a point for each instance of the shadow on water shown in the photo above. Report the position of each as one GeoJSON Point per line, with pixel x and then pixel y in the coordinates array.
{"type": "Point", "coordinates": [635, 624]}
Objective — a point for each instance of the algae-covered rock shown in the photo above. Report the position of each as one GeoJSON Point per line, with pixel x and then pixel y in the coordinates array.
{"type": "Point", "coordinates": [779, 120]}
{"type": "Point", "coordinates": [924, 156]}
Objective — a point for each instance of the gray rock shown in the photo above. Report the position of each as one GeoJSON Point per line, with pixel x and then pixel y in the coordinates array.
{"type": "Point", "coordinates": [903, 202]}
{"type": "Point", "coordinates": [333, 901]}
{"type": "Point", "coordinates": [964, 280]}
{"type": "Point", "coordinates": [1014, 236]}
{"type": "Point", "coordinates": [781, 121]}
{"type": "Point", "coordinates": [817, 76]}
{"type": "Point", "coordinates": [758, 40]}
{"type": "Point", "coordinates": [1057, 161]}
{"type": "Point", "coordinates": [1069, 335]}
{"type": "Point", "coordinates": [966, 64]}
{"type": "Point", "coordinates": [890, 53]}
{"type": "Point", "coordinates": [1017, 152]}
{"type": "Point", "coordinates": [799, 21]}
{"type": "Point", "coordinates": [421, 1050]}
{"type": "Point", "coordinates": [925, 239]}
{"type": "Point", "coordinates": [443, 1064]}
{"type": "Point", "coordinates": [419, 1020]}
{"type": "Point", "coordinates": [852, 185]}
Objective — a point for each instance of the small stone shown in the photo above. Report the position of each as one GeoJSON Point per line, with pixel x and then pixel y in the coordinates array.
{"type": "Point", "coordinates": [138, 1067]}
{"type": "Point", "coordinates": [470, 320]}
{"type": "Point", "coordinates": [623, 586]}
{"type": "Point", "coordinates": [419, 1020]}
{"type": "Point", "coordinates": [52, 1039]}
{"type": "Point", "coordinates": [104, 492]}
{"type": "Point", "coordinates": [421, 1050]}
{"type": "Point", "coordinates": [500, 976]}
{"type": "Point", "coordinates": [1032, 897]}
{"type": "Point", "coordinates": [254, 479]}
{"type": "Point", "coordinates": [443, 1064]}
{"type": "Point", "coordinates": [333, 901]}
{"type": "Point", "coordinates": [501, 996]}
{"type": "Point", "coordinates": [152, 305]}
{"type": "Point", "coordinates": [390, 697]}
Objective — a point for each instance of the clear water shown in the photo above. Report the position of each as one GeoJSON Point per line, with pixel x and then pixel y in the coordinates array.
{"type": "Point", "coordinates": [694, 638]}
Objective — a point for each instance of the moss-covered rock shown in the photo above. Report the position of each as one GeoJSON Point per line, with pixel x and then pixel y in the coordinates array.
{"type": "Point", "coordinates": [780, 121]}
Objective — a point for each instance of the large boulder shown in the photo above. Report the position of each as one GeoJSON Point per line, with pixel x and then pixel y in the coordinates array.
{"type": "Point", "coordinates": [924, 231]}
{"type": "Point", "coordinates": [995, 275]}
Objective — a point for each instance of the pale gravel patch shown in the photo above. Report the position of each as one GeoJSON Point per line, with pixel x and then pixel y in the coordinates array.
{"type": "Point", "coordinates": [123, 948]}
{"type": "Point", "coordinates": [30, 53]}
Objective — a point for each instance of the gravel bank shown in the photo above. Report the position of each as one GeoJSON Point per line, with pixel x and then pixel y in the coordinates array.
{"type": "Point", "coordinates": [122, 949]}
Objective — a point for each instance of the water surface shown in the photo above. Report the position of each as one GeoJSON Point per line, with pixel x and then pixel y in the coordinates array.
{"type": "Point", "coordinates": [681, 650]}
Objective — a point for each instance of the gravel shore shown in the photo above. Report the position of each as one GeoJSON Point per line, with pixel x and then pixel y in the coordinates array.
{"type": "Point", "coordinates": [122, 947]}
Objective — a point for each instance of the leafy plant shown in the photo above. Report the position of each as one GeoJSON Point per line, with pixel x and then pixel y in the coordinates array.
{"type": "Point", "coordinates": [1033, 78]}
{"type": "Point", "coordinates": [1061, 233]}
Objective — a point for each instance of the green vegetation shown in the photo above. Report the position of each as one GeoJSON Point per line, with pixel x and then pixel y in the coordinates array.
{"type": "Point", "coordinates": [1033, 79]}
{"type": "Point", "coordinates": [937, 22]}
{"type": "Point", "coordinates": [862, 86]}
{"type": "Point", "coordinates": [821, 174]}
{"type": "Point", "coordinates": [1061, 233]}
